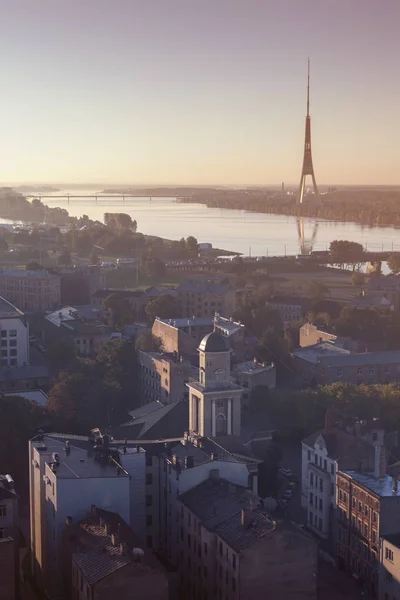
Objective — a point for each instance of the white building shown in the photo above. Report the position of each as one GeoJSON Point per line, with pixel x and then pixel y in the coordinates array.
{"type": "Point", "coordinates": [323, 453]}
{"type": "Point", "coordinates": [65, 480]}
{"type": "Point", "coordinates": [14, 336]}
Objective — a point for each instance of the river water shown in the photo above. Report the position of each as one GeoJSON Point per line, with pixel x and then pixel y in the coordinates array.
{"type": "Point", "coordinates": [237, 230]}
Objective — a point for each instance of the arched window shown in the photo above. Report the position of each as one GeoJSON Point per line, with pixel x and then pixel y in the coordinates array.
{"type": "Point", "coordinates": [220, 424]}
{"type": "Point", "coordinates": [219, 375]}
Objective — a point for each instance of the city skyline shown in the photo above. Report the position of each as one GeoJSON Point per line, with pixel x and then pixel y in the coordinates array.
{"type": "Point", "coordinates": [144, 93]}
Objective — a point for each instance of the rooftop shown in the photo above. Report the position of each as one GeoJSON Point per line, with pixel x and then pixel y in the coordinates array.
{"type": "Point", "coordinates": [214, 342]}
{"type": "Point", "coordinates": [338, 442]}
{"type": "Point", "coordinates": [146, 417]}
{"type": "Point", "coordinates": [24, 372]}
{"type": "Point", "coordinates": [219, 504]}
{"type": "Point", "coordinates": [229, 326]}
{"type": "Point", "coordinates": [35, 395]}
{"type": "Point", "coordinates": [252, 367]}
{"type": "Point", "coordinates": [363, 359]}
{"type": "Point", "coordinates": [8, 310]}
{"type": "Point", "coordinates": [6, 487]}
{"type": "Point", "coordinates": [25, 274]}
{"type": "Point", "coordinates": [289, 301]}
{"type": "Point", "coordinates": [382, 486]}
{"type": "Point", "coordinates": [372, 301]}
{"type": "Point", "coordinates": [165, 356]}
{"type": "Point", "coordinates": [319, 351]}
{"type": "Point", "coordinates": [203, 287]}
{"type": "Point", "coordinates": [187, 322]}
{"type": "Point", "coordinates": [78, 462]}
{"type": "Point", "coordinates": [105, 292]}
{"type": "Point", "coordinates": [72, 313]}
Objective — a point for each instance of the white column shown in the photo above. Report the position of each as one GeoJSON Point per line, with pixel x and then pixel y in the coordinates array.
{"type": "Point", "coordinates": [213, 420]}
{"type": "Point", "coordinates": [229, 429]}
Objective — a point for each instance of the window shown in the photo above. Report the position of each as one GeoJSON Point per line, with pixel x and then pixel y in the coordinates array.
{"type": "Point", "coordinates": [205, 572]}
{"type": "Point", "coordinates": [311, 517]}
{"type": "Point", "coordinates": [320, 504]}
{"type": "Point", "coordinates": [340, 494]}
{"type": "Point", "coordinates": [325, 464]}
{"type": "Point", "coordinates": [189, 518]}
{"type": "Point", "coordinates": [149, 500]}
{"type": "Point", "coordinates": [4, 353]}
{"type": "Point", "coordinates": [320, 525]}
{"type": "Point", "coordinates": [360, 506]}
{"type": "Point", "coordinates": [316, 459]}
{"type": "Point", "coordinates": [389, 554]}
{"type": "Point", "coordinates": [149, 460]}
{"type": "Point", "coordinates": [371, 370]}
{"type": "Point", "coordinates": [149, 520]}
{"type": "Point", "coordinates": [374, 517]}
{"type": "Point", "coordinates": [332, 469]}
{"type": "Point", "coordinates": [4, 333]}
{"type": "Point", "coordinates": [359, 371]}
{"type": "Point", "coordinates": [149, 478]}
{"type": "Point", "coordinates": [311, 478]}
{"type": "Point", "coordinates": [308, 455]}
{"type": "Point", "coordinates": [234, 561]}
{"type": "Point", "coordinates": [339, 372]}
{"type": "Point", "coordinates": [233, 584]}
{"type": "Point", "coordinates": [4, 343]}
{"type": "Point", "coordinates": [205, 548]}
{"type": "Point", "coordinates": [373, 535]}
{"type": "Point", "coordinates": [13, 343]}
{"type": "Point", "coordinates": [353, 502]}
{"type": "Point", "coordinates": [332, 489]}
{"type": "Point", "coordinates": [365, 530]}
{"type": "Point", "coordinates": [13, 333]}
{"type": "Point", "coordinates": [3, 510]}
{"type": "Point", "coordinates": [311, 498]}
{"type": "Point", "coordinates": [189, 540]}
{"type": "Point", "coordinates": [366, 510]}
{"type": "Point", "coordinates": [149, 541]}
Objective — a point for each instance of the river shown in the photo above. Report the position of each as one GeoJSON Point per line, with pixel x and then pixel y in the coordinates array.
{"type": "Point", "coordinates": [237, 230]}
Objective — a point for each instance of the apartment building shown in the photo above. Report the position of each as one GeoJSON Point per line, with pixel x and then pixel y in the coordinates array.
{"type": "Point", "coordinates": [65, 480]}
{"type": "Point", "coordinates": [389, 567]}
{"type": "Point", "coordinates": [312, 334]}
{"type": "Point", "coordinates": [31, 290]}
{"type": "Point", "coordinates": [205, 298]}
{"type": "Point", "coordinates": [323, 453]}
{"type": "Point", "coordinates": [163, 377]}
{"type": "Point", "coordinates": [14, 336]}
{"type": "Point", "coordinates": [9, 539]}
{"type": "Point", "coordinates": [325, 363]}
{"type": "Point", "coordinates": [86, 327]}
{"type": "Point", "coordinates": [230, 548]}
{"type": "Point", "coordinates": [79, 283]}
{"type": "Point", "coordinates": [251, 374]}
{"type": "Point", "coordinates": [290, 308]}
{"type": "Point", "coordinates": [105, 557]}
{"type": "Point", "coordinates": [367, 510]}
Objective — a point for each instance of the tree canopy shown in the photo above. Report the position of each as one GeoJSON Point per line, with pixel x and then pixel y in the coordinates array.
{"type": "Point", "coordinates": [164, 306]}
{"type": "Point", "coordinates": [120, 221]}
{"type": "Point", "coordinates": [344, 253]}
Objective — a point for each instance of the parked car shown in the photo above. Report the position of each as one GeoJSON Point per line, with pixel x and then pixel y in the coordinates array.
{"type": "Point", "coordinates": [285, 472]}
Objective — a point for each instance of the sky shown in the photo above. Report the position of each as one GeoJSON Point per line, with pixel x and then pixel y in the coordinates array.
{"type": "Point", "coordinates": [198, 91]}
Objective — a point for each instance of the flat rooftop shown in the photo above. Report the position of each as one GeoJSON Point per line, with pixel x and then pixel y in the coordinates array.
{"type": "Point", "coordinates": [251, 368]}
{"type": "Point", "coordinates": [317, 352]}
{"type": "Point", "coordinates": [381, 486]}
{"type": "Point", "coordinates": [79, 463]}
{"type": "Point", "coordinates": [23, 273]}
{"type": "Point", "coordinates": [188, 322]}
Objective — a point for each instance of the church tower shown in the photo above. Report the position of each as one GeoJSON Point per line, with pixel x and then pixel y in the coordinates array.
{"type": "Point", "coordinates": [214, 400]}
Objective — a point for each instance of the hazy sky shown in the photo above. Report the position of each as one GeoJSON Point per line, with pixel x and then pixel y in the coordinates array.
{"type": "Point", "coordinates": [198, 91]}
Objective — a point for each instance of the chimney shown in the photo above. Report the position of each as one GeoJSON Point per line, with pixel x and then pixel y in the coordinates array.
{"type": "Point", "coordinates": [380, 461]}
{"type": "Point", "coordinates": [246, 518]}
{"type": "Point", "coordinates": [395, 483]}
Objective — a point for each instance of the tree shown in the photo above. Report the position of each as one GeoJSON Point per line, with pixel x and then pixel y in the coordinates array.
{"type": "Point", "coordinates": [94, 257]}
{"type": "Point", "coordinates": [192, 247]}
{"type": "Point", "coordinates": [33, 265]}
{"type": "Point", "coordinates": [164, 307]}
{"type": "Point", "coordinates": [358, 278]}
{"type": "Point", "coordinates": [316, 290]}
{"type": "Point", "coordinates": [155, 268]}
{"type": "Point", "coordinates": [3, 245]}
{"type": "Point", "coordinates": [120, 221]}
{"type": "Point", "coordinates": [120, 308]}
{"type": "Point", "coordinates": [147, 342]}
{"type": "Point", "coordinates": [344, 252]}
{"type": "Point", "coordinates": [64, 258]}
{"type": "Point", "coordinates": [394, 263]}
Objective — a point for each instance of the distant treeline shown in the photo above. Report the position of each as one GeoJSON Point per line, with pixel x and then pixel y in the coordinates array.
{"type": "Point", "coordinates": [373, 208]}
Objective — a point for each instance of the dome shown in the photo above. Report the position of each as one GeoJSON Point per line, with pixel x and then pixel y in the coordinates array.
{"type": "Point", "coordinates": [214, 342]}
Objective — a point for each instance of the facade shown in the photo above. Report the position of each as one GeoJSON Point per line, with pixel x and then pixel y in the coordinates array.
{"type": "Point", "coordinates": [31, 290]}
{"type": "Point", "coordinates": [389, 567]}
{"type": "Point", "coordinates": [79, 283]}
{"type": "Point", "coordinates": [182, 335]}
{"type": "Point", "coordinates": [323, 453]}
{"type": "Point", "coordinates": [214, 399]}
{"type": "Point", "coordinates": [311, 334]}
{"type": "Point", "coordinates": [14, 336]}
{"type": "Point", "coordinates": [205, 298]}
{"type": "Point", "coordinates": [163, 377]}
{"type": "Point", "coordinates": [290, 309]}
{"type": "Point", "coordinates": [325, 363]}
{"type": "Point", "coordinates": [65, 480]}
{"type": "Point", "coordinates": [86, 327]}
{"type": "Point", "coordinates": [235, 333]}
{"type": "Point", "coordinates": [367, 510]}
{"type": "Point", "coordinates": [251, 374]}
{"type": "Point", "coordinates": [9, 539]}
{"type": "Point", "coordinates": [108, 559]}
{"type": "Point", "coordinates": [230, 548]}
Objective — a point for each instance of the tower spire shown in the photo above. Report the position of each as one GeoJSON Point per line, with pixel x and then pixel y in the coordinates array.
{"type": "Point", "coordinates": [308, 89]}
{"type": "Point", "coordinates": [308, 168]}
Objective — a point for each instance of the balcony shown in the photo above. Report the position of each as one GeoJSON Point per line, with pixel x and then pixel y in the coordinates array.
{"type": "Point", "coordinates": [227, 383]}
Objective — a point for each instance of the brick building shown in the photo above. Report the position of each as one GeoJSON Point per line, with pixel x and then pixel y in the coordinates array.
{"type": "Point", "coordinates": [205, 298]}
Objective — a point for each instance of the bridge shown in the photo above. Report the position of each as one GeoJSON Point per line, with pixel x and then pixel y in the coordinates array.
{"type": "Point", "coordinates": [94, 197]}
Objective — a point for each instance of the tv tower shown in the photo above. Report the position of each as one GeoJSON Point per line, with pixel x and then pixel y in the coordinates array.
{"type": "Point", "coordinates": [308, 168]}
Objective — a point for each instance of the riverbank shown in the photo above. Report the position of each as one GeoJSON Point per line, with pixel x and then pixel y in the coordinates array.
{"type": "Point", "coordinates": [367, 207]}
